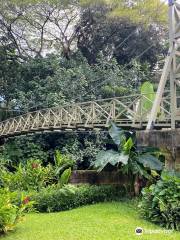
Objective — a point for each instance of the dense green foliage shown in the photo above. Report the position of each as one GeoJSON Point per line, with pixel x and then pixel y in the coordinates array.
{"type": "Point", "coordinates": [139, 164]}
{"type": "Point", "coordinates": [118, 37]}
{"type": "Point", "coordinates": [34, 176]}
{"type": "Point", "coordinates": [20, 149]}
{"type": "Point", "coordinates": [82, 148]}
{"type": "Point", "coordinates": [31, 79]}
{"type": "Point", "coordinates": [137, 11]}
{"type": "Point", "coordinates": [45, 82]}
{"type": "Point", "coordinates": [161, 201]}
{"type": "Point", "coordinates": [11, 213]}
{"type": "Point", "coordinates": [146, 12]}
{"type": "Point", "coordinates": [9, 72]}
{"type": "Point", "coordinates": [133, 160]}
{"type": "Point", "coordinates": [30, 176]}
{"type": "Point", "coordinates": [53, 199]}
{"type": "Point", "coordinates": [147, 17]}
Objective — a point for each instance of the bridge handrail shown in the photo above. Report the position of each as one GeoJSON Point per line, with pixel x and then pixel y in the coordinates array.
{"type": "Point", "coordinates": [80, 104]}
{"type": "Point", "coordinates": [70, 104]}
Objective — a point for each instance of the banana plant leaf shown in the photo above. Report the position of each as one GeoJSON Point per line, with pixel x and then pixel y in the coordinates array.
{"type": "Point", "coordinates": [65, 177]}
{"type": "Point", "coordinates": [109, 157]}
{"type": "Point", "coordinates": [147, 89]}
{"type": "Point", "coordinates": [128, 146]}
{"type": "Point", "coordinates": [62, 168]}
{"type": "Point", "coordinates": [117, 134]}
{"type": "Point", "coordinates": [138, 169]}
{"type": "Point", "coordinates": [150, 161]}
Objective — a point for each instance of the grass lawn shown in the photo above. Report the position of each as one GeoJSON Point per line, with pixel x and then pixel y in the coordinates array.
{"type": "Point", "coordinates": [105, 221]}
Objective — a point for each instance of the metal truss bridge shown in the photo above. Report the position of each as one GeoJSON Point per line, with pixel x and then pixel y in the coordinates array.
{"type": "Point", "coordinates": [128, 111]}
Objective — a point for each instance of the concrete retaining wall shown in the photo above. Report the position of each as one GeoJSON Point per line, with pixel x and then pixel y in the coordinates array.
{"type": "Point", "coordinates": [167, 140]}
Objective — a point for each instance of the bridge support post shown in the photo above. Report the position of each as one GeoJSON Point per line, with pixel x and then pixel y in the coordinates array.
{"type": "Point", "coordinates": [171, 70]}
{"type": "Point", "coordinates": [177, 161]}
{"type": "Point", "coordinates": [173, 159]}
{"type": "Point", "coordinates": [170, 158]}
{"type": "Point", "coordinates": [172, 25]}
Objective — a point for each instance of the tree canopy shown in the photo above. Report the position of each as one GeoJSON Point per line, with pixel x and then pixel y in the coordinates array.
{"type": "Point", "coordinates": [138, 11]}
{"type": "Point", "coordinates": [118, 38]}
{"type": "Point", "coordinates": [54, 52]}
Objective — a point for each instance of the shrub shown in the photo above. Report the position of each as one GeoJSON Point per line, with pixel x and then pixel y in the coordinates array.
{"type": "Point", "coordinates": [161, 201]}
{"type": "Point", "coordinates": [23, 148]}
{"type": "Point", "coordinates": [62, 163]}
{"type": "Point", "coordinates": [32, 176]}
{"type": "Point", "coordinates": [54, 199]}
{"type": "Point", "coordinates": [11, 213]}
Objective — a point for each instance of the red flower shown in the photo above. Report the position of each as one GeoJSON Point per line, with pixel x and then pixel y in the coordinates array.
{"type": "Point", "coordinates": [26, 200]}
{"type": "Point", "coordinates": [35, 165]}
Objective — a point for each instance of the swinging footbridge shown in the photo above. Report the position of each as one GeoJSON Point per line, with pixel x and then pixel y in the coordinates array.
{"type": "Point", "coordinates": [128, 111]}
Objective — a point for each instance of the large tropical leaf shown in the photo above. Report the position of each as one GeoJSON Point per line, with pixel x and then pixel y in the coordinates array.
{"type": "Point", "coordinates": [61, 169]}
{"type": "Point", "coordinates": [147, 89]}
{"type": "Point", "coordinates": [128, 146]}
{"type": "Point", "coordinates": [109, 157]}
{"type": "Point", "coordinates": [151, 151]}
{"type": "Point", "coordinates": [65, 177]}
{"type": "Point", "coordinates": [140, 170]}
{"type": "Point", "coordinates": [58, 158]}
{"type": "Point", "coordinates": [150, 161]}
{"type": "Point", "coordinates": [117, 134]}
{"type": "Point", "coordinates": [147, 149]}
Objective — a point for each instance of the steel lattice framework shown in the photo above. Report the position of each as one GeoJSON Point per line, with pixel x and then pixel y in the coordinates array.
{"type": "Point", "coordinates": [129, 111]}
{"type": "Point", "coordinates": [171, 72]}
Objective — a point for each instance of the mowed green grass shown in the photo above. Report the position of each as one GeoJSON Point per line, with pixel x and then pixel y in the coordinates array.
{"type": "Point", "coordinates": [105, 221]}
